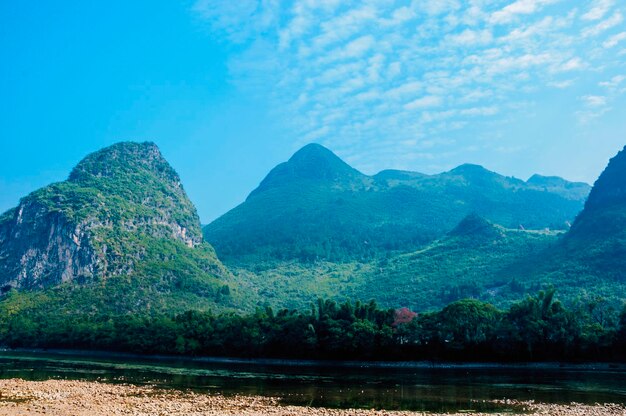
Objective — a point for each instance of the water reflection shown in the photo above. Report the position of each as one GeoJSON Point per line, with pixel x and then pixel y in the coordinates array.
{"type": "Point", "coordinates": [428, 389]}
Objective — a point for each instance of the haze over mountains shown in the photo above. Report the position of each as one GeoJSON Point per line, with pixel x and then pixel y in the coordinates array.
{"type": "Point", "coordinates": [315, 206]}
{"type": "Point", "coordinates": [121, 235]}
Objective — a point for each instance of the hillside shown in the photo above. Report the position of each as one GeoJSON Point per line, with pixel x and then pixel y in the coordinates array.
{"type": "Point", "coordinates": [119, 234]}
{"type": "Point", "coordinates": [592, 255]}
{"type": "Point", "coordinates": [315, 206]}
{"type": "Point", "coordinates": [473, 260]}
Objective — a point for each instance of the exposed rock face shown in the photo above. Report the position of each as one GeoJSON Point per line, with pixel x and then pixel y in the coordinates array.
{"type": "Point", "coordinates": [39, 246]}
{"type": "Point", "coordinates": [97, 223]}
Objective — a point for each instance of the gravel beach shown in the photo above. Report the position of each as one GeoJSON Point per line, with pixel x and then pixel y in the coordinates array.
{"type": "Point", "coordinates": [82, 398]}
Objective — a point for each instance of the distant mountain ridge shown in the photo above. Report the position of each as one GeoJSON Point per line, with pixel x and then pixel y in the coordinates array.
{"type": "Point", "coordinates": [317, 206]}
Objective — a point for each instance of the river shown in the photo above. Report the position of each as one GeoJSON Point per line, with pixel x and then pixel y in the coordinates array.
{"type": "Point", "coordinates": [406, 386]}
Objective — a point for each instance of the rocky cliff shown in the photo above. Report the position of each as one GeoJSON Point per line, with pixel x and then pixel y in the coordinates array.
{"type": "Point", "coordinates": [119, 206]}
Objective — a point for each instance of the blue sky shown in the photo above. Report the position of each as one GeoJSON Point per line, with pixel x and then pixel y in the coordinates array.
{"type": "Point", "coordinates": [230, 89]}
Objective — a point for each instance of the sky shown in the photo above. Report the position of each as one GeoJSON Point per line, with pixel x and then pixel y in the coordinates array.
{"type": "Point", "coordinates": [230, 89]}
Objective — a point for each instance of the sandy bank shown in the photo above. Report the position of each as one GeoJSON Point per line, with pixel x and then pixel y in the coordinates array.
{"type": "Point", "coordinates": [80, 398]}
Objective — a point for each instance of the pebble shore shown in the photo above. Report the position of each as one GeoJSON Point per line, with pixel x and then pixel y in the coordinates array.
{"type": "Point", "coordinates": [82, 398]}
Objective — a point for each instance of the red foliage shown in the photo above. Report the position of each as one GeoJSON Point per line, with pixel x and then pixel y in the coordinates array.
{"type": "Point", "coordinates": [403, 316]}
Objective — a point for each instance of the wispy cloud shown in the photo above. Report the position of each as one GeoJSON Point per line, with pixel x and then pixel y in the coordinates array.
{"type": "Point", "coordinates": [594, 100]}
{"type": "Point", "coordinates": [604, 25]}
{"type": "Point", "coordinates": [349, 74]}
{"type": "Point", "coordinates": [598, 9]}
{"type": "Point", "coordinates": [614, 40]}
{"type": "Point", "coordinates": [424, 102]}
{"type": "Point", "coordinates": [519, 7]}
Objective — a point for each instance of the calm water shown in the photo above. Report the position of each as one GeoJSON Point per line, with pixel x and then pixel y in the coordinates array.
{"type": "Point", "coordinates": [433, 389]}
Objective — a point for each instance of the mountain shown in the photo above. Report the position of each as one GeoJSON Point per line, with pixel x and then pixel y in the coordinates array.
{"type": "Point", "coordinates": [476, 228]}
{"type": "Point", "coordinates": [474, 260]}
{"type": "Point", "coordinates": [555, 184]}
{"type": "Point", "coordinates": [590, 258]}
{"type": "Point", "coordinates": [482, 260]}
{"type": "Point", "coordinates": [596, 242]}
{"type": "Point", "coordinates": [313, 164]}
{"type": "Point", "coordinates": [315, 206]}
{"type": "Point", "coordinates": [604, 217]}
{"type": "Point", "coordinates": [120, 232]}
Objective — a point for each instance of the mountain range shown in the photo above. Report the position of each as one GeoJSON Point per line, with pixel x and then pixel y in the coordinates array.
{"type": "Point", "coordinates": [315, 206]}
{"type": "Point", "coordinates": [121, 235]}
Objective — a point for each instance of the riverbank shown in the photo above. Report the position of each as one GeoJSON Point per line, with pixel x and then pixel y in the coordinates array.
{"type": "Point", "coordinates": [279, 362]}
{"type": "Point", "coordinates": [83, 398]}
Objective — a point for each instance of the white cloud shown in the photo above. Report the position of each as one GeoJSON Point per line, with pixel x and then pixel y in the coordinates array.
{"type": "Point", "coordinates": [350, 73]}
{"type": "Point", "coordinates": [594, 100]}
{"type": "Point", "coordinates": [614, 40]}
{"type": "Point", "coordinates": [402, 90]}
{"type": "Point", "coordinates": [470, 37]}
{"type": "Point", "coordinates": [613, 82]}
{"type": "Point", "coordinates": [604, 25]}
{"type": "Point", "coordinates": [437, 7]}
{"type": "Point", "coordinates": [342, 27]}
{"type": "Point", "coordinates": [598, 10]}
{"type": "Point", "coordinates": [561, 84]}
{"type": "Point", "coordinates": [480, 111]}
{"type": "Point", "coordinates": [571, 64]}
{"type": "Point", "coordinates": [518, 7]}
{"type": "Point", "coordinates": [359, 46]}
{"type": "Point", "coordinates": [424, 102]}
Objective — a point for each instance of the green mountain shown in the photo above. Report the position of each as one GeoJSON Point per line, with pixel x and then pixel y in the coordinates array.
{"type": "Point", "coordinates": [592, 254]}
{"type": "Point", "coordinates": [119, 234]}
{"type": "Point", "coordinates": [315, 206]}
{"type": "Point", "coordinates": [603, 220]}
{"type": "Point", "coordinates": [474, 260]}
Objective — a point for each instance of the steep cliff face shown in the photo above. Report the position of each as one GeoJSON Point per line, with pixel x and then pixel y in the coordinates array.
{"type": "Point", "coordinates": [39, 248]}
{"type": "Point", "coordinates": [118, 207]}
{"type": "Point", "coordinates": [604, 215]}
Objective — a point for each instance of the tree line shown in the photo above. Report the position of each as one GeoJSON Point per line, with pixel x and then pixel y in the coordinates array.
{"type": "Point", "coordinates": [537, 328]}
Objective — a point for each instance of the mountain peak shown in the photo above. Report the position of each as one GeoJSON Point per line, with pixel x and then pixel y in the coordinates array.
{"type": "Point", "coordinates": [610, 188]}
{"type": "Point", "coordinates": [313, 162]}
{"type": "Point", "coordinates": [121, 159]}
{"type": "Point", "coordinates": [471, 170]}
{"type": "Point", "coordinates": [603, 217]}
{"type": "Point", "coordinates": [313, 150]}
{"type": "Point", "coordinates": [475, 226]}
{"type": "Point", "coordinates": [558, 185]}
{"type": "Point", "coordinates": [100, 221]}
{"type": "Point", "coordinates": [541, 180]}
{"type": "Point", "coordinates": [316, 161]}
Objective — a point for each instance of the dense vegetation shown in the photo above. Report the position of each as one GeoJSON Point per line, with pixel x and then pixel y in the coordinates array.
{"type": "Point", "coordinates": [534, 329]}
{"type": "Point", "coordinates": [315, 206]}
{"type": "Point", "coordinates": [591, 256]}
{"type": "Point", "coordinates": [475, 260]}
{"type": "Point", "coordinates": [113, 258]}
{"type": "Point", "coordinates": [120, 233]}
